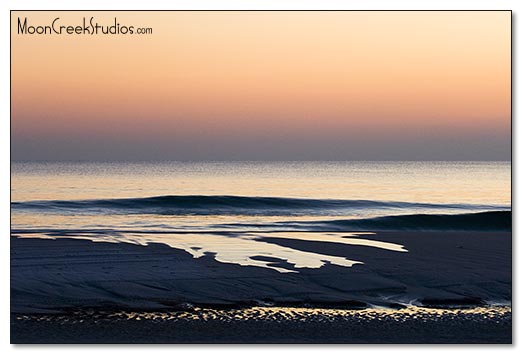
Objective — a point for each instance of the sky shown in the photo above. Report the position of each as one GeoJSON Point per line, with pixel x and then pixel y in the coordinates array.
{"type": "Point", "coordinates": [264, 86]}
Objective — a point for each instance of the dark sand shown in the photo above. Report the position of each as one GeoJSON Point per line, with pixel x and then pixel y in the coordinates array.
{"type": "Point", "coordinates": [441, 269]}
{"type": "Point", "coordinates": [269, 325]}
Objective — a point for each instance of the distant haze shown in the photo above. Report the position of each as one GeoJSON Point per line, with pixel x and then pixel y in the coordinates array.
{"type": "Point", "coordinates": [265, 86]}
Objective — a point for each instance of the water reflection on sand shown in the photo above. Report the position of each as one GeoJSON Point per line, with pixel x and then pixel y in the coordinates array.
{"type": "Point", "coordinates": [286, 314]}
{"type": "Point", "coordinates": [248, 249]}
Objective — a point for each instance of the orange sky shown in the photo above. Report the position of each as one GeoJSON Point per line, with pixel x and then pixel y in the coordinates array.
{"type": "Point", "coordinates": [304, 80]}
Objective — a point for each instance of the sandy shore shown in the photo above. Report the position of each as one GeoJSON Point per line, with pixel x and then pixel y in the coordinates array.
{"type": "Point", "coordinates": [55, 281]}
{"type": "Point", "coordinates": [439, 269]}
{"type": "Point", "coordinates": [268, 325]}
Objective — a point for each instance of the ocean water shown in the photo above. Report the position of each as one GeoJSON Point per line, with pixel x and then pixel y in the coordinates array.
{"type": "Point", "coordinates": [227, 208]}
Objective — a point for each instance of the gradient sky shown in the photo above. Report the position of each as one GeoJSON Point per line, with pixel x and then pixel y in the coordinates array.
{"type": "Point", "coordinates": [265, 86]}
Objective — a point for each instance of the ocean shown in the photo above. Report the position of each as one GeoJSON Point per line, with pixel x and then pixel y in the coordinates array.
{"type": "Point", "coordinates": [227, 208]}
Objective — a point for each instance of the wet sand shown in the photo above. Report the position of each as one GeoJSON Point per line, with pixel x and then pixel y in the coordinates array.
{"type": "Point", "coordinates": [269, 325]}
{"type": "Point", "coordinates": [440, 270]}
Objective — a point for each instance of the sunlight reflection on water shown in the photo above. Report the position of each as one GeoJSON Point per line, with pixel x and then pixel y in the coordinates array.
{"type": "Point", "coordinates": [249, 249]}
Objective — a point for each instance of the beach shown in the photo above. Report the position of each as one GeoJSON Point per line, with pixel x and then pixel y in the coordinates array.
{"type": "Point", "coordinates": [56, 277]}
{"type": "Point", "coordinates": [466, 267]}
{"type": "Point", "coordinates": [290, 252]}
{"type": "Point", "coordinates": [269, 325]}
{"type": "Point", "coordinates": [261, 177]}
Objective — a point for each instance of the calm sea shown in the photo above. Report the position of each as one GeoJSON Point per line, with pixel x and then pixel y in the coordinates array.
{"type": "Point", "coordinates": [224, 207]}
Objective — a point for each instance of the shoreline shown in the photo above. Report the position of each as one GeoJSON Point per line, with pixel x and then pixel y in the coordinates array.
{"type": "Point", "coordinates": [268, 325]}
{"type": "Point", "coordinates": [439, 269]}
{"type": "Point", "coordinates": [78, 291]}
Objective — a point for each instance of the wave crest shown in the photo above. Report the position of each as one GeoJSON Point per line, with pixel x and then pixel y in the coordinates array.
{"type": "Point", "coordinates": [486, 221]}
{"type": "Point", "coordinates": [232, 205]}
